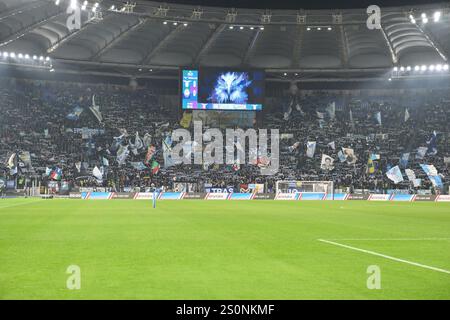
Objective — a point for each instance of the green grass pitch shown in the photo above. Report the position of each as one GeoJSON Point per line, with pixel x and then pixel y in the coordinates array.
{"type": "Point", "coordinates": [223, 249]}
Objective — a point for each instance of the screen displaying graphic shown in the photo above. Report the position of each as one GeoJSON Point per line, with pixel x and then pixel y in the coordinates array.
{"type": "Point", "coordinates": [219, 89]}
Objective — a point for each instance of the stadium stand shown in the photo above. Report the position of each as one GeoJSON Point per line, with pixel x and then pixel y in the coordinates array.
{"type": "Point", "coordinates": [34, 119]}
{"type": "Point", "coordinates": [73, 131]}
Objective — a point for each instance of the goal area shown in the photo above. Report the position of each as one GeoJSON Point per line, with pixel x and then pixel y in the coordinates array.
{"type": "Point", "coordinates": [292, 186]}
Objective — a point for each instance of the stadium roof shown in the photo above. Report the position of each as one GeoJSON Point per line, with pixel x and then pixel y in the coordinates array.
{"type": "Point", "coordinates": [166, 36]}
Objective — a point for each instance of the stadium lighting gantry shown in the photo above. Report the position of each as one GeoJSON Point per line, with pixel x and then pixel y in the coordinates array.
{"type": "Point", "coordinates": [24, 59]}
{"type": "Point", "coordinates": [425, 19]}
{"type": "Point", "coordinates": [419, 69]}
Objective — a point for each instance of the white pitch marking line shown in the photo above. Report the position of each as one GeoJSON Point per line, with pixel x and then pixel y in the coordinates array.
{"type": "Point", "coordinates": [392, 239]}
{"type": "Point", "coordinates": [19, 204]}
{"type": "Point", "coordinates": [385, 256]}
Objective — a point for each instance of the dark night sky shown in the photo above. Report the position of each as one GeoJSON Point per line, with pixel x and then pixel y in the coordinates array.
{"type": "Point", "coordinates": [304, 4]}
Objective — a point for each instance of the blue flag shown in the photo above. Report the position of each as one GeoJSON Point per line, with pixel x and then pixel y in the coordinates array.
{"type": "Point", "coordinates": [404, 160]}
{"type": "Point", "coordinates": [433, 175]}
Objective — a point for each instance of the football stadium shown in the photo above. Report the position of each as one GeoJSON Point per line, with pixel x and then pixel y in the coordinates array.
{"type": "Point", "coordinates": [197, 150]}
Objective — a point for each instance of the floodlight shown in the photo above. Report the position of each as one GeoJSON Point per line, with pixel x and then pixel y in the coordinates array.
{"type": "Point", "coordinates": [437, 16]}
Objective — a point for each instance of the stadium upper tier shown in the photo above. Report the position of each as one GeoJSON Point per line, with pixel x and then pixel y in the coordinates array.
{"type": "Point", "coordinates": [168, 36]}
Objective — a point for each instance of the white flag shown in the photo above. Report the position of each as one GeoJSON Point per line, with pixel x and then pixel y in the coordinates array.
{"type": "Point", "coordinates": [332, 145]}
{"type": "Point", "coordinates": [331, 109]}
{"type": "Point", "coordinates": [97, 173]}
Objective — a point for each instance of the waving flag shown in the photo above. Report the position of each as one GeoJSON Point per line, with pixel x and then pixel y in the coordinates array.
{"type": "Point", "coordinates": [56, 174]}
{"type": "Point", "coordinates": [395, 174]}
{"type": "Point", "coordinates": [331, 110]}
{"type": "Point", "coordinates": [95, 109]}
{"type": "Point", "coordinates": [370, 166]}
{"type": "Point", "coordinates": [138, 143]}
{"type": "Point", "coordinates": [186, 120]}
{"type": "Point", "coordinates": [288, 110]}
{"type": "Point", "coordinates": [12, 162]}
{"type": "Point", "coordinates": [332, 145]}
{"type": "Point", "coordinates": [421, 152]}
{"type": "Point", "coordinates": [138, 165]}
{"type": "Point", "coordinates": [327, 163]}
{"type": "Point", "coordinates": [432, 145]}
{"type": "Point", "coordinates": [294, 147]}
{"type": "Point", "coordinates": [341, 156]}
{"type": "Point", "coordinates": [147, 140]}
{"type": "Point", "coordinates": [404, 160]}
{"type": "Point", "coordinates": [122, 154]}
{"type": "Point", "coordinates": [167, 148]}
{"type": "Point", "coordinates": [433, 175]}
{"type": "Point", "coordinates": [48, 171]}
{"type": "Point", "coordinates": [150, 153]}
{"type": "Point", "coordinates": [429, 169]}
{"type": "Point", "coordinates": [320, 115]}
{"type": "Point", "coordinates": [97, 173]}
{"type": "Point", "coordinates": [155, 167]}
{"type": "Point", "coordinates": [75, 114]}
{"type": "Point", "coordinates": [350, 156]}
{"type": "Point", "coordinates": [378, 117]}
{"type": "Point", "coordinates": [412, 178]}
{"type": "Point", "coordinates": [310, 149]}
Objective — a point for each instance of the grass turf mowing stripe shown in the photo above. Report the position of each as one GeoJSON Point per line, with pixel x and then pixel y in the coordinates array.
{"type": "Point", "coordinates": [385, 256]}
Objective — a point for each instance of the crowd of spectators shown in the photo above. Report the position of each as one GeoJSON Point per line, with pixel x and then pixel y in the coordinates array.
{"type": "Point", "coordinates": [34, 118]}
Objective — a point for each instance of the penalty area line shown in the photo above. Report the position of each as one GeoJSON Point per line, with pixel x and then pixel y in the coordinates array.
{"type": "Point", "coordinates": [385, 256]}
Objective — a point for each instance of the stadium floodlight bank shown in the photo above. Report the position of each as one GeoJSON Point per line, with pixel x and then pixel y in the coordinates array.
{"type": "Point", "coordinates": [296, 186]}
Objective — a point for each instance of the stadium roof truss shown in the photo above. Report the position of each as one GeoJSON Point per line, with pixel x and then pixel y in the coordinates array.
{"type": "Point", "coordinates": [149, 36]}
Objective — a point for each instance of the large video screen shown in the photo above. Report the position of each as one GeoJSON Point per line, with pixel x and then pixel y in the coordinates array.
{"type": "Point", "coordinates": [222, 89]}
